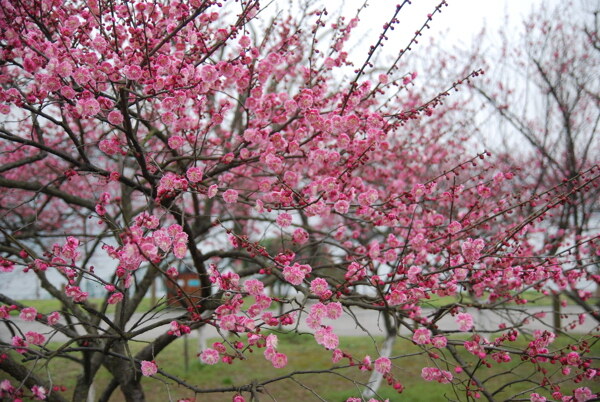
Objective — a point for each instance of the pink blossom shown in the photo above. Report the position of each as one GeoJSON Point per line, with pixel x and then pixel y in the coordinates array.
{"type": "Point", "coordinates": [172, 272]}
{"type": "Point", "coordinates": [39, 392]}
{"type": "Point", "coordinates": [573, 359]}
{"type": "Point", "coordinates": [300, 236]}
{"type": "Point", "coordinates": [334, 310]}
{"type": "Point", "coordinates": [341, 206]}
{"type": "Point", "coordinates": [194, 174]}
{"type": "Point", "coordinates": [175, 141]}
{"type": "Point", "coordinates": [179, 249]}
{"type": "Point", "coordinates": [238, 398]}
{"type": "Point", "coordinates": [28, 314]}
{"type": "Point", "coordinates": [254, 287]}
{"type": "Point", "coordinates": [439, 341]}
{"type": "Point", "coordinates": [208, 73]}
{"type": "Point", "coordinates": [583, 394]}
{"type": "Point", "coordinates": [464, 321]}
{"type": "Point", "coordinates": [337, 356]}
{"type": "Point", "coordinates": [295, 274]}
{"type": "Point", "coordinates": [230, 196]}
{"type": "Point", "coordinates": [271, 341]}
{"type": "Point", "coordinates": [19, 344]}
{"type": "Point", "coordinates": [209, 356]}
{"type": "Point", "coordinates": [53, 318]}
{"type": "Point", "coordinates": [435, 374]}
{"type": "Point", "coordinates": [367, 198]}
{"type": "Point", "coordinates": [284, 220]}
{"type": "Point", "coordinates": [319, 287]}
{"type": "Point", "coordinates": [133, 73]}
{"type": "Point", "coordinates": [535, 397]}
{"type": "Point", "coordinates": [366, 363]}
{"type": "Point", "coordinates": [88, 107]}
{"type": "Point", "coordinates": [471, 249]}
{"type": "Point", "coordinates": [279, 360]}
{"type": "Point", "coordinates": [325, 337]}
{"type": "Point", "coordinates": [34, 338]}
{"type": "Point", "coordinates": [6, 265]}
{"type": "Point", "coordinates": [422, 336]}
{"type": "Point", "coordinates": [115, 117]}
{"type": "Point", "coordinates": [149, 368]}
{"type": "Point", "coordinates": [115, 298]}
{"type": "Point", "coordinates": [383, 365]}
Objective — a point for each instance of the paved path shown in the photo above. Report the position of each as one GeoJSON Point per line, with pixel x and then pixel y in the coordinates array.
{"type": "Point", "coordinates": [370, 323]}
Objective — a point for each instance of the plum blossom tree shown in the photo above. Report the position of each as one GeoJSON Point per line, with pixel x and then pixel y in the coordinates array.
{"type": "Point", "coordinates": [152, 135]}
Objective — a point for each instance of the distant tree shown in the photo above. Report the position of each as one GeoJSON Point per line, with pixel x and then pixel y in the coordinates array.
{"type": "Point", "coordinates": [546, 93]}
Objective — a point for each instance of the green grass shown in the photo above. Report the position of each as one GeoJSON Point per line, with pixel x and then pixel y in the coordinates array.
{"type": "Point", "coordinates": [533, 298]}
{"type": "Point", "coordinates": [304, 354]}
{"type": "Point", "coordinates": [47, 306]}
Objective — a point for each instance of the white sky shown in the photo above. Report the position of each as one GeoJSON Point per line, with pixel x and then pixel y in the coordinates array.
{"type": "Point", "coordinates": [457, 25]}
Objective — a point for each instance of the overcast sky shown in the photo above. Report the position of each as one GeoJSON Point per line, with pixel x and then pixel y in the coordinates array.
{"type": "Point", "coordinates": [457, 25]}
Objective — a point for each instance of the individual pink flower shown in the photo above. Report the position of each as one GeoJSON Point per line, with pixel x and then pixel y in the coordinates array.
{"type": "Point", "coordinates": [383, 365]}
{"type": "Point", "coordinates": [88, 107]}
{"type": "Point", "coordinates": [230, 196]}
{"type": "Point", "coordinates": [337, 356]}
{"type": "Point", "coordinates": [115, 298]}
{"type": "Point", "coordinates": [179, 249]}
{"type": "Point", "coordinates": [583, 394]}
{"type": "Point", "coordinates": [334, 310]}
{"type": "Point", "coordinates": [284, 220]}
{"type": "Point", "coordinates": [28, 314]}
{"type": "Point", "coordinates": [194, 174]}
{"type": "Point", "coordinates": [422, 336]}
{"type": "Point", "coordinates": [39, 392]}
{"type": "Point", "coordinates": [439, 341]}
{"type": "Point", "coordinates": [254, 287]}
{"type": "Point", "coordinates": [464, 321]}
{"type": "Point", "coordinates": [209, 356]}
{"type": "Point", "coordinates": [53, 318]}
{"type": "Point", "coordinates": [6, 265]}
{"type": "Point", "coordinates": [149, 368]}
{"type": "Point", "coordinates": [573, 359]}
{"type": "Point", "coordinates": [365, 364]}
{"type": "Point", "coordinates": [279, 360]}
{"type": "Point", "coordinates": [471, 249]}
{"type": "Point", "coordinates": [208, 73]}
{"type": "Point", "coordinates": [535, 397]}
{"type": "Point", "coordinates": [300, 236]}
{"type": "Point", "coordinates": [320, 287]}
{"type": "Point", "coordinates": [133, 73]}
{"type": "Point", "coordinates": [115, 117]}
{"type": "Point", "coordinates": [175, 141]}
{"type": "Point", "coordinates": [238, 398]}
{"type": "Point", "coordinates": [34, 338]}
{"type": "Point", "coordinates": [212, 191]}
{"type": "Point", "coordinates": [19, 344]}
{"type": "Point", "coordinates": [341, 206]}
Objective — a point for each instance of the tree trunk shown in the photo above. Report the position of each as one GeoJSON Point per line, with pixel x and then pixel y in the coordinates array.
{"type": "Point", "coordinates": [386, 351]}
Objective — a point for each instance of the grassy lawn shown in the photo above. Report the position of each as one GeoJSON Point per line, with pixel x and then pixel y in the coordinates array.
{"type": "Point", "coordinates": [47, 306]}
{"type": "Point", "coordinates": [534, 299]}
{"type": "Point", "coordinates": [304, 354]}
